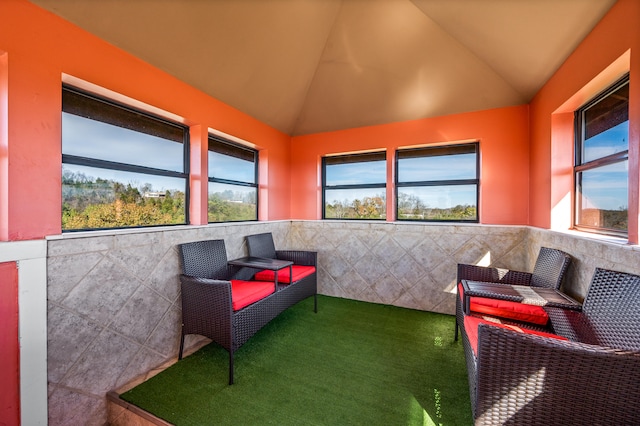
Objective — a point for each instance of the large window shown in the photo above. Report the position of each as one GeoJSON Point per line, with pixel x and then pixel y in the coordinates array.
{"type": "Point", "coordinates": [438, 183]}
{"type": "Point", "coordinates": [233, 182]}
{"type": "Point", "coordinates": [120, 167]}
{"type": "Point", "coordinates": [601, 168]}
{"type": "Point", "coordinates": [354, 186]}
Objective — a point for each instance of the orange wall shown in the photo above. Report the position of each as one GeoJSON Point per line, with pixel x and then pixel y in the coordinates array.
{"type": "Point", "coordinates": [9, 361]}
{"type": "Point", "coordinates": [518, 184]}
{"type": "Point", "coordinates": [585, 73]}
{"type": "Point", "coordinates": [503, 135]}
{"type": "Point", "coordinates": [36, 49]}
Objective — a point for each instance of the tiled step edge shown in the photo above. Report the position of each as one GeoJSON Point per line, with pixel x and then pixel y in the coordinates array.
{"type": "Point", "coordinates": [123, 413]}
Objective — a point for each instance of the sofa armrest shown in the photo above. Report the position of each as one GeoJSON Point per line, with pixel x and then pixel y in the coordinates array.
{"type": "Point", "coordinates": [207, 308]}
{"type": "Point", "coordinates": [493, 275]}
{"type": "Point", "coordinates": [574, 325]}
{"type": "Point", "coordinates": [526, 379]}
{"type": "Point", "coordinates": [299, 257]}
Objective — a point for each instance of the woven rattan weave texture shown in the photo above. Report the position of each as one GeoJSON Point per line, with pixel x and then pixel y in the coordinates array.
{"type": "Point", "coordinates": [206, 297]}
{"type": "Point", "coordinates": [549, 271]}
{"type": "Point", "coordinates": [594, 378]}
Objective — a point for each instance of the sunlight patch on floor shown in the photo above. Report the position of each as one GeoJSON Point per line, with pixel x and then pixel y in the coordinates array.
{"type": "Point", "coordinates": [426, 418]}
{"type": "Point", "coordinates": [436, 420]}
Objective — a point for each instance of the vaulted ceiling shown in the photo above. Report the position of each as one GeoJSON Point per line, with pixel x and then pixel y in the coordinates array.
{"type": "Point", "coordinates": [307, 66]}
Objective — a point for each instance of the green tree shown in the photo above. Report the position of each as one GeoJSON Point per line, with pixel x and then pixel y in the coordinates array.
{"type": "Point", "coordinates": [99, 203]}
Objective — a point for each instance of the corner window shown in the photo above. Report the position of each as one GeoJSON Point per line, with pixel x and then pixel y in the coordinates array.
{"type": "Point", "coordinates": [120, 167]}
{"type": "Point", "coordinates": [354, 186]}
{"type": "Point", "coordinates": [438, 183]}
{"type": "Point", "coordinates": [602, 162]}
{"type": "Point", "coordinates": [233, 182]}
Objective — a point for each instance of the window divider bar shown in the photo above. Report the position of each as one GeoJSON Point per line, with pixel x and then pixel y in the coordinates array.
{"type": "Point", "coordinates": [232, 182]}
{"type": "Point", "coordinates": [359, 186]}
{"type": "Point", "coordinates": [604, 161]}
{"type": "Point", "coordinates": [438, 183]}
{"type": "Point", "coordinates": [112, 165]}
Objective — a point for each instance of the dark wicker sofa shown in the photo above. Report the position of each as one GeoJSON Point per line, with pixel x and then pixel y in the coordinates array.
{"type": "Point", "coordinates": [207, 305]}
{"type": "Point", "coordinates": [592, 378]}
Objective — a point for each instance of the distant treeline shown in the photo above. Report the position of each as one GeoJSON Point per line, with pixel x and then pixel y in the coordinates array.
{"type": "Point", "coordinates": [409, 207]}
{"type": "Point", "coordinates": [96, 203]}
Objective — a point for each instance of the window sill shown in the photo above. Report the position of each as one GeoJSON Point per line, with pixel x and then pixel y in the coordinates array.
{"type": "Point", "coordinates": [141, 230]}
{"type": "Point", "coordinates": [621, 241]}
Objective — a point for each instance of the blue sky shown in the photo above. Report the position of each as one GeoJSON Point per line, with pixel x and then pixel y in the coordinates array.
{"type": "Point", "coordinates": [357, 173]}
{"type": "Point", "coordinates": [606, 143]}
{"type": "Point", "coordinates": [94, 139]}
{"type": "Point", "coordinates": [606, 187]}
{"type": "Point", "coordinates": [442, 167]}
{"type": "Point", "coordinates": [231, 168]}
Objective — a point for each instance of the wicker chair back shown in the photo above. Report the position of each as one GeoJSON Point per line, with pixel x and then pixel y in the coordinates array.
{"type": "Point", "coordinates": [205, 259]}
{"type": "Point", "coordinates": [550, 268]}
{"type": "Point", "coordinates": [612, 307]}
{"type": "Point", "coordinates": [261, 245]}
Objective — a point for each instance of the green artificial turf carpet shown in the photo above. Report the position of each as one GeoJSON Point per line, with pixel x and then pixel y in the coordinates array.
{"type": "Point", "coordinates": [352, 363]}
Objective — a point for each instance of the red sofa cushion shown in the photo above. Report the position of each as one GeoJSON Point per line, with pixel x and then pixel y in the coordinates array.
{"type": "Point", "coordinates": [507, 309]}
{"type": "Point", "coordinates": [299, 272]}
{"type": "Point", "coordinates": [244, 293]}
{"type": "Point", "coordinates": [471, 324]}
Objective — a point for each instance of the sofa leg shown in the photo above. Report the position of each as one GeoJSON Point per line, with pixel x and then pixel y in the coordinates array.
{"type": "Point", "coordinates": [315, 303]}
{"type": "Point", "coordinates": [455, 337]}
{"type": "Point", "coordinates": [230, 367]}
{"type": "Point", "coordinates": [181, 347]}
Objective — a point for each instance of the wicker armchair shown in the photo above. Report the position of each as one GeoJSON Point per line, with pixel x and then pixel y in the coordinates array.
{"type": "Point", "coordinates": [549, 271]}
{"type": "Point", "coordinates": [207, 305]}
{"type": "Point", "coordinates": [262, 245]}
{"type": "Point", "coordinates": [593, 378]}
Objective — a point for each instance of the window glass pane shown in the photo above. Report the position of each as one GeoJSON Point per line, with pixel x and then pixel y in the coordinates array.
{"type": "Point", "coordinates": [85, 137]}
{"type": "Point", "coordinates": [602, 198]}
{"type": "Point", "coordinates": [121, 167]}
{"type": "Point", "coordinates": [95, 198]}
{"type": "Point", "coordinates": [447, 202]}
{"type": "Point", "coordinates": [601, 173]}
{"type": "Point", "coordinates": [441, 167]}
{"type": "Point", "coordinates": [231, 168]}
{"type": "Point", "coordinates": [232, 202]}
{"type": "Point", "coordinates": [438, 183]}
{"type": "Point", "coordinates": [608, 142]}
{"type": "Point", "coordinates": [359, 203]}
{"type": "Point", "coordinates": [356, 173]}
{"type": "Point", "coordinates": [607, 112]}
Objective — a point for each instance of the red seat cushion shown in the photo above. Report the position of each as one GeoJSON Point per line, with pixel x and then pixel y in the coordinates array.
{"type": "Point", "coordinates": [507, 309]}
{"type": "Point", "coordinates": [471, 324]}
{"type": "Point", "coordinates": [299, 272]}
{"type": "Point", "coordinates": [244, 293]}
